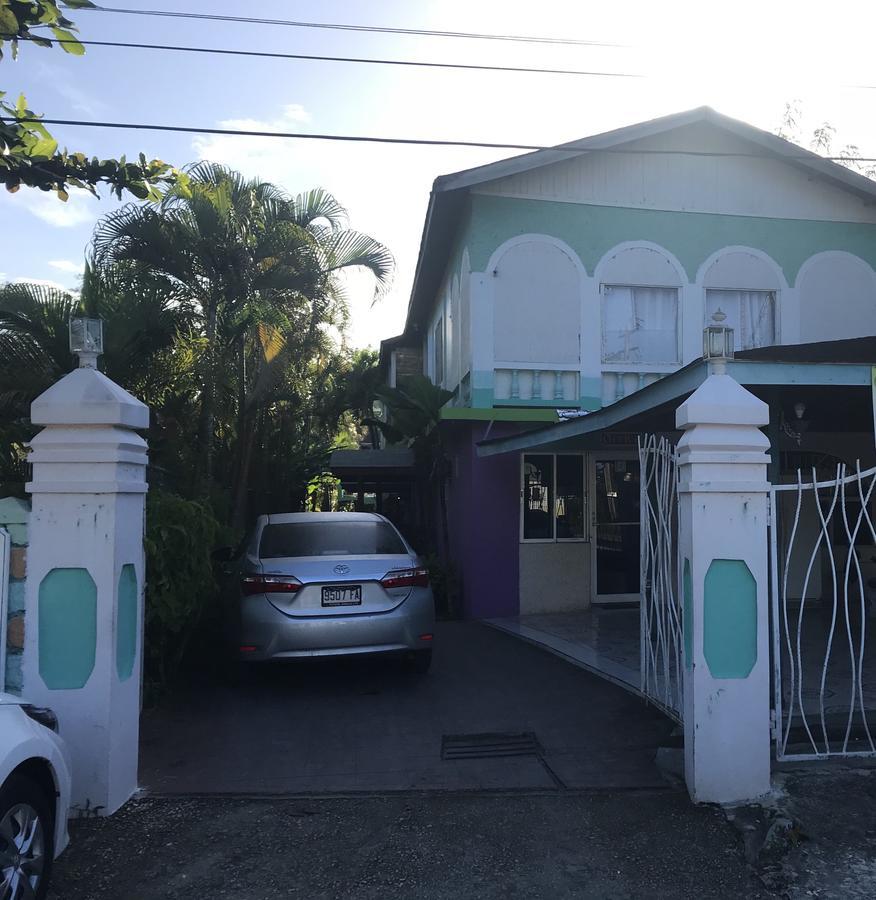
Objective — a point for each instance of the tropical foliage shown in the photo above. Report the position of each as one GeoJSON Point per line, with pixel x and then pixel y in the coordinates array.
{"type": "Point", "coordinates": [224, 310]}
{"type": "Point", "coordinates": [29, 155]}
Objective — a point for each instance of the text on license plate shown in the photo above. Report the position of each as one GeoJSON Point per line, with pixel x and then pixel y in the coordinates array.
{"type": "Point", "coordinates": [349, 595]}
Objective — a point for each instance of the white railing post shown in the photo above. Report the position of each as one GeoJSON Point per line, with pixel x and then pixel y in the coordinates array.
{"type": "Point", "coordinates": [723, 570]}
{"type": "Point", "coordinates": [85, 577]}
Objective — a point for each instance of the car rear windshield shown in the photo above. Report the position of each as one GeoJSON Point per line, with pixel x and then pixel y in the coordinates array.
{"type": "Point", "coordinates": [329, 539]}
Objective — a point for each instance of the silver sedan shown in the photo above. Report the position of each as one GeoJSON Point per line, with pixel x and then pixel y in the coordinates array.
{"type": "Point", "coordinates": [333, 584]}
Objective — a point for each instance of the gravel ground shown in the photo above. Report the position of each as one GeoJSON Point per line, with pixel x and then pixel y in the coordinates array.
{"type": "Point", "coordinates": [633, 844]}
{"type": "Point", "coordinates": [830, 853]}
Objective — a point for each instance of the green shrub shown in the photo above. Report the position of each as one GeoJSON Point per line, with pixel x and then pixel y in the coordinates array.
{"type": "Point", "coordinates": [180, 587]}
{"type": "Point", "coordinates": [445, 586]}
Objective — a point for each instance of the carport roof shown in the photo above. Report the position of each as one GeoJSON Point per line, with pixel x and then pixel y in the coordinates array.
{"type": "Point", "coordinates": [825, 364]}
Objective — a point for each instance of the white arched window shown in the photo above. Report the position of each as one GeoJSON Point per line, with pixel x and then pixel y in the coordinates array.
{"type": "Point", "coordinates": [639, 286]}
{"type": "Point", "coordinates": [751, 315]}
{"type": "Point", "coordinates": [741, 291]}
{"type": "Point", "coordinates": [537, 316]}
{"type": "Point", "coordinates": [639, 324]}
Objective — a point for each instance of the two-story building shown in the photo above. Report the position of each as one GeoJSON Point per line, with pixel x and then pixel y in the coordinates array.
{"type": "Point", "coordinates": [571, 278]}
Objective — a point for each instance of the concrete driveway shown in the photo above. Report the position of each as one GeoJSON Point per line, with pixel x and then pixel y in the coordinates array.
{"type": "Point", "coordinates": [368, 725]}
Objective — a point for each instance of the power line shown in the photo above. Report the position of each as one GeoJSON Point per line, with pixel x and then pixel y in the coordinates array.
{"type": "Point", "coordinates": [266, 54]}
{"type": "Point", "coordinates": [251, 20]}
{"type": "Point", "coordinates": [346, 59]}
{"type": "Point", "coordinates": [428, 142]}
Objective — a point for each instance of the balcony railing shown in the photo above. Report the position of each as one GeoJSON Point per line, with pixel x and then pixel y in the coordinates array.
{"type": "Point", "coordinates": [536, 386]}
{"type": "Point", "coordinates": [619, 384]}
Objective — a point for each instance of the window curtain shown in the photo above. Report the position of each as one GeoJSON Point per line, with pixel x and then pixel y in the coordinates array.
{"type": "Point", "coordinates": [639, 325]}
{"type": "Point", "coordinates": [751, 315]}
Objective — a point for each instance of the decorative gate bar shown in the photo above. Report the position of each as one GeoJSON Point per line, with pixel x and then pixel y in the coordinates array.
{"type": "Point", "coordinates": [660, 609]}
{"type": "Point", "coordinates": [823, 560]}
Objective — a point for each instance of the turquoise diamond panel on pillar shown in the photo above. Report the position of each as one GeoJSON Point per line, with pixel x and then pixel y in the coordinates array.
{"type": "Point", "coordinates": [126, 622]}
{"type": "Point", "coordinates": [730, 619]}
{"type": "Point", "coordinates": [67, 628]}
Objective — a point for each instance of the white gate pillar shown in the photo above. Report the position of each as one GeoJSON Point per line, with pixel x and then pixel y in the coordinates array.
{"type": "Point", "coordinates": [84, 609]}
{"type": "Point", "coordinates": [723, 568]}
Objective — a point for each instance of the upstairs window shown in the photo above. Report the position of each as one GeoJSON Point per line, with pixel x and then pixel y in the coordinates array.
{"type": "Point", "coordinates": [639, 325]}
{"type": "Point", "coordinates": [438, 351]}
{"type": "Point", "coordinates": [751, 315]}
{"type": "Point", "coordinates": [552, 497]}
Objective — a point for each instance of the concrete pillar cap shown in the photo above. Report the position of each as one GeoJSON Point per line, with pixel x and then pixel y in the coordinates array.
{"type": "Point", "coordinates": [88, 397]}
{"type": "Point", "coordinates": [721, 400]}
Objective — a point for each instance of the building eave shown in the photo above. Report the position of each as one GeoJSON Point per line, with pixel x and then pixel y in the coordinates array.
{"type": "Point", "coordinates": [673, 388]}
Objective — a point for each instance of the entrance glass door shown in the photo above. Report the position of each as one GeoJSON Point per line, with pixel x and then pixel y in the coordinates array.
{"type": "Point", "coordinates": [615, 529]}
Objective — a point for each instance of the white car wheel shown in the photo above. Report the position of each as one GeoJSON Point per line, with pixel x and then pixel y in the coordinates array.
{"type": "Point", "coordinates": [25, 840]}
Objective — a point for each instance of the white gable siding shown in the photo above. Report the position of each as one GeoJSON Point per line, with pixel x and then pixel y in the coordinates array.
{"type": "Point", "coordinates": [739, 185]}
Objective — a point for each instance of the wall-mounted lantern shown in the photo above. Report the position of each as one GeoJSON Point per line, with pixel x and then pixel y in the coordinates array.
{"type": "Point", "coordinates": [86, 340]}
{"type": "Point", "coordinates": [717, 347]}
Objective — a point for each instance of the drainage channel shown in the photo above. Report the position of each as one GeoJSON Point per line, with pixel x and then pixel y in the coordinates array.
{"type": "Point", "coordinates": [497, 745]}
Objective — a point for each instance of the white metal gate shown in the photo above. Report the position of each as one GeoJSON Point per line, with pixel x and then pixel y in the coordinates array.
{"type": "Point", "coordinates": [5, 547]}
{"type": "Point", "coordinates": [660, 609]}
{"type": "Point", "coordinates": [823, 560]}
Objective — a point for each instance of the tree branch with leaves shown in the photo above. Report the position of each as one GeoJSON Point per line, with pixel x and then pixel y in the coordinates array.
{"type": "Point", "coordinates": [29, 154]}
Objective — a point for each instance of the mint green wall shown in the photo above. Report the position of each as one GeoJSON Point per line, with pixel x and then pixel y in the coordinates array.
{"type": "Point", "coordinates": [730, 619]}
{"type": "Point", "coordinates": [67, 628]}
{"type": "Point", "coordinates": [592, 231]}
{"type": "Point", "coordinates": [126, 622]}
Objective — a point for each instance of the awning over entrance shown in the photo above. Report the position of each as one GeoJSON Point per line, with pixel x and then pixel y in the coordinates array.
{"type": "Point", "coordinates": [832, 379]}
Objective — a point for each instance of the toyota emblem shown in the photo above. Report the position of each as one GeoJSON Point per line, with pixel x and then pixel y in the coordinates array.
{"type": "Point", "coordinates": [342, 569]}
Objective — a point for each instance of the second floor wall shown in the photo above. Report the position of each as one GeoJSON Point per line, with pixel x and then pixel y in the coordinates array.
{"type": "Point", "coordinates": [568, 304]}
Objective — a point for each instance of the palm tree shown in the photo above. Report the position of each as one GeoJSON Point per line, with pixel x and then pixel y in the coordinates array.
{"type": "Point", "coordinates": [414, 415]}
{"type": "Point", "coordinates": [261, 272]}
{"type": "Point", "coordinates": [142, 324]}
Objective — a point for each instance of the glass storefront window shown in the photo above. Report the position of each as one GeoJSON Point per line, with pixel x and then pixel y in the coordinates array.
{"type": "Point", "coordinates": [538, 497]}
{"type": "Point", "coordinates": [553, 497]}
{"type": "Point", "coordinates": [570, 497]}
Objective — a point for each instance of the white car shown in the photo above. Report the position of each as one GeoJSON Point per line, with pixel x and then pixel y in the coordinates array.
{"type": "Point", "coordinates": [34, 797]}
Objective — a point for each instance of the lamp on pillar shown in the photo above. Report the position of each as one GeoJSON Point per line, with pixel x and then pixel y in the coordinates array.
{"type": "Point", "coordinates": [86, 340]}
{"type": "Point", "coordinates": [717, 346]}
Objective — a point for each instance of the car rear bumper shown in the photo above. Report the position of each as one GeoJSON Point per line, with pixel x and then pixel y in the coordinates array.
{"type": "Point", "coordinates": [272, 634]}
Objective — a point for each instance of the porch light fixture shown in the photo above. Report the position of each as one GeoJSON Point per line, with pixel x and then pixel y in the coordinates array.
{"type": "Point", "coordinates": [717, 347]}
{"type": "Point", "coordinates": [86, 340]}
{"type": "Point", "coordinates": [798, 428]}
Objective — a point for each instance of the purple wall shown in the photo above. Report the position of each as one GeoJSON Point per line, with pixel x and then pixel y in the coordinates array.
{"type": "Point", "coordinates": [484, 516]}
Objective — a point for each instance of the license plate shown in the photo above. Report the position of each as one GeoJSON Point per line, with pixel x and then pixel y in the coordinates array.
{"type": "Point", "coordinates": [349, 595]}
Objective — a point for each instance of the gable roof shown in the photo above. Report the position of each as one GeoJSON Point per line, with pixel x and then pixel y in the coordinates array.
{"type": "Point", "coordinates": [447, 201]}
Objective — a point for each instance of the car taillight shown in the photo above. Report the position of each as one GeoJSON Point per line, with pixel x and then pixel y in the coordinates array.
{"type": "Point", "coordinates": [406, 578]}
{"type": "Point", "coordinates": [269, 584]}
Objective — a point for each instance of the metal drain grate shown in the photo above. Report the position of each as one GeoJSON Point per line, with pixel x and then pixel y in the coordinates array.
{"type": "Point", "coordinates": [489, 746]}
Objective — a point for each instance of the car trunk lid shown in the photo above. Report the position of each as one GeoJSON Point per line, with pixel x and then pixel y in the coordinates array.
{"type": "Point", "coordinates": [337, 585]}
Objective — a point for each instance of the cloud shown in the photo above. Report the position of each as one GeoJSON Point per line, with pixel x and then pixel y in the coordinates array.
{"type": "Point", "coordinates": [80, 209]}
{"type": "Point", "coordinates": [241, 152]}
{"type": "Point", "coordinates": [67, 265]}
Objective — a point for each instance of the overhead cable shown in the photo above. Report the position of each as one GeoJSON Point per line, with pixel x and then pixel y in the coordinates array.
{"type": "Point", "coordinates": [428, 142]}
{"type": "Point", "coordinates": [378, 29]}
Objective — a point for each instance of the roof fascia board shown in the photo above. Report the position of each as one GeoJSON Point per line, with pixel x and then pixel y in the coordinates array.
{"type": "Point", "coordinates": [813, 374]}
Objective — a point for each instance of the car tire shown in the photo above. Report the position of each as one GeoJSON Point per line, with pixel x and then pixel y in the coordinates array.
{"type": "Point", "coordinates": [26, 813]}
{"type": "Point", "coordinates": [420, 661]}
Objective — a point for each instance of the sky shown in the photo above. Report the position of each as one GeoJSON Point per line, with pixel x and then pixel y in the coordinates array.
{"type": "Point", "coordinates": [745, 59]}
